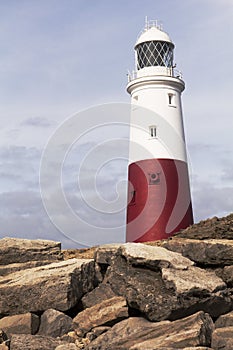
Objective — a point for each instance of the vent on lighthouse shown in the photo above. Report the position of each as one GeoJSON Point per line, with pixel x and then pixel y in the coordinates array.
{"type": "Point", "coordinates": [154, 178]}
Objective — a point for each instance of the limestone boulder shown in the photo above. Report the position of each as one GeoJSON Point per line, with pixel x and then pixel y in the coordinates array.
{"type": "Point", "coordinates": [141, 254]}
{"type": "Point", "coordinates": [67, 347]}
{"type": "Point", "coordinates": [225, 321]}
{"type": "Point", "coordinates": [166, 292]}
{"type": "Point", "coordinates": [222, 338]}
{"type": "Point", "coordinates": [105, 313]}
{"type": "Point", "coordinates": [215, 252]}
{"type": "Point", "coordinates": [97, 295]}
{"type": "Point", "coordinates": [34, 342]}
{"type": "Point", "coordinates": [16, 250]}
{"type": "Point", "coordinates": [55, 323]}
{"type": "Point", "coordinates": [58, 285]}
{"type": "Point", "coordinates": [194, 279]}
{"type": "Point", "coordinates": [4, 338]}
{"type": "Point", "coordinates": [136, 333]}
{"type": "Point", "coordinates": [96, 332]}
{"type": "Point", "coordinates": [152, 257]}
{"type": "Point", "coordinates": [227, 275]}
{"type": "Point", "coordinates": [103, 254]}
{"type": "Point", "coordinates": [196, 348]}
{"type": "Point", "coordinates": [10, 268]}
{"type": "Point", "coordinates": [23, 324]}
{"type": "Point", "coordinates": [4, 347]}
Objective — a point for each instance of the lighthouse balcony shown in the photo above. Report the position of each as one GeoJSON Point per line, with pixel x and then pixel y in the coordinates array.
{"type": "Point", "coordinates": [154, 71]}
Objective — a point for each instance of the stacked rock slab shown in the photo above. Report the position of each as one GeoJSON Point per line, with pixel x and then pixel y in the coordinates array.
{"type": "Point", "coordinates": [59, 285]}
{"type": "Point", "coordinates": [15, 250]}
{"type": "Point", "coordinates": [137, 333]}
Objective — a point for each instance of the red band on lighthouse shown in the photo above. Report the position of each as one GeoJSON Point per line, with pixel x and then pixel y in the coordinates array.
{"type": "Point", "coordinates": [159, 201]}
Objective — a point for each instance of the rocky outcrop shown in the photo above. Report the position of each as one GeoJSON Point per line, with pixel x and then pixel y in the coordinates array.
{"type": "Point", "coordinates": [214, 228]}
{"type": "Point", "coordinates": [173, 294]}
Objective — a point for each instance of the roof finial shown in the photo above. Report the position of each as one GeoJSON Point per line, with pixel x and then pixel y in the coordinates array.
{"type": "Point", "coordinates": [146, 23]}
{"type": "Point", "coordinates": [152, 23]}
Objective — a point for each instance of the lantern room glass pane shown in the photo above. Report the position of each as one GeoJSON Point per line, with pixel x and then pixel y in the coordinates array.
{"type": "Point", "coordinates": [154, 53]}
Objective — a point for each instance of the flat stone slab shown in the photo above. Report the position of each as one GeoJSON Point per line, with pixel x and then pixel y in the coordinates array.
{"type": "Point", "coordinates": [108, 312]}
{"type": "Point", "coordinates": [137, 333]}
{"type": "Point", "coordinates": [58, 285]}
{"type": "Point", "coordinates": [142, 254]}
{"type": "Point", "coordinates": [16, 250]}
{"type": "Point", "coordinates": [20, 324]}
{"type": "Point", "coordinates": [206, 252]}
{"type": "Point", "coordinates": [10, 268]}
{"type": "Point", "coordinates": [192, 280]}
{"type": "Point", "coordinates": [153, 256]}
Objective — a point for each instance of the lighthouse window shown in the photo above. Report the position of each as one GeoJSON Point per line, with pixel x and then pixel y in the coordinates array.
{"type": "Point", "coordinates": [154, 53]}
{"type": "Point", "coordinates": [153, 131]}
{"type": "Point", "coordinates": [170, 98]}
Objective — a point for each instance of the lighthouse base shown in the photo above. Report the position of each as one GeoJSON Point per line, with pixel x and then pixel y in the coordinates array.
{"type": "Point", "coordinates": [159, 202]}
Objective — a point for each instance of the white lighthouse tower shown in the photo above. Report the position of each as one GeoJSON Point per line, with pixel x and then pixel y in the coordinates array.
{"type": "Point", "coordinates": [159, 202]}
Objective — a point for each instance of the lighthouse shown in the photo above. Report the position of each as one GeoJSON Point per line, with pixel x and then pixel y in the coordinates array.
{"type": "Point", "coordinates": [159, 200]}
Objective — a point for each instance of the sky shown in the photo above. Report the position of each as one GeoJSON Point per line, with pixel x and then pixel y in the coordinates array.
{"type": "Point", "coordinates": [67, 60]}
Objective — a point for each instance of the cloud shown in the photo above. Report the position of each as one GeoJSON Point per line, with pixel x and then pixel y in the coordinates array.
{"type": "Point", "coordinates": [66, 58]}
{"type": "Point", "coordinates": [19, 168]}
{"type": "Point", "coordinates": [37, 122]}
{"type": "Point", "coordinates": [23, 215]}
{"type": "Point", "coordinates": [22, 208]}
{"type": "Point", "coordinates": [209, 201]}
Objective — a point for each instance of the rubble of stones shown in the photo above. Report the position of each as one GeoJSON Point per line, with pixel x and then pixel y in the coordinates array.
{"type": "Point", "coordinates": [133, 296]}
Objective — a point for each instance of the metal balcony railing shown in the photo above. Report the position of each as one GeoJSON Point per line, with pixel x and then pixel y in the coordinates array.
{"type": "Point", "coordinates": [170, 72]}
